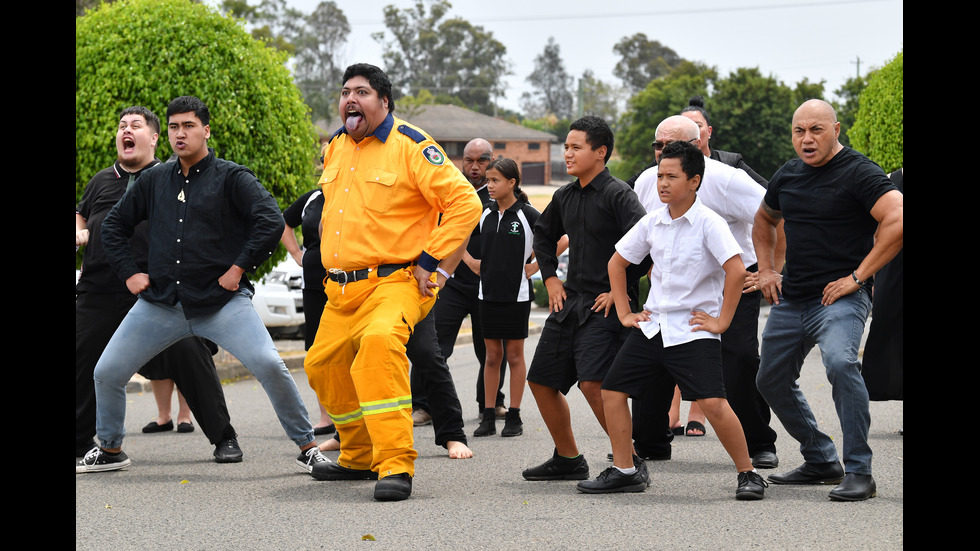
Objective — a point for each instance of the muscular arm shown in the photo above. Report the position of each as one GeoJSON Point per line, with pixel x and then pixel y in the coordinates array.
{"type": "Point", "coordinates": [764, 238]}
{"type": "Point", "coordinates": [889, 212]}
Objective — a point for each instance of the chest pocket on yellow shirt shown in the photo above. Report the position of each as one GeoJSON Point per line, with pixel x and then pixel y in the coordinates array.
{"type": "Point", "coordinates": [378, 190]}
{"type": "Point", "coordinates": [329, 176]}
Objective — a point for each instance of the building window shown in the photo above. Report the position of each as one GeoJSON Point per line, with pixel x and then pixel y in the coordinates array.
{"type": "Point", "coordinates": [500, 145]}
{"type": "Point", "coordinates": [533, 145]}
{"type": "Point", "coordinates": [453, 149]}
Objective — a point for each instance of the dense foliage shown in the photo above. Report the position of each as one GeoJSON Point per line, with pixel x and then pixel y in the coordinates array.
{"type": "Point", "coordinates": [147, 52]}
{"type": "Point", "coordinates": [879, 128]}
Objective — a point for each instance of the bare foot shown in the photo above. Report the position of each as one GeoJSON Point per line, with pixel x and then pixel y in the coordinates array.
{"type": "Point", "coordinates": [330, 445]}
{"type": "Point", "coordinates": [458, 450]}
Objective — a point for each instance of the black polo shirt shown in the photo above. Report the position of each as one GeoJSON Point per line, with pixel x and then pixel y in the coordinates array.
{"type": "Point", "coordinates": [505, 240]}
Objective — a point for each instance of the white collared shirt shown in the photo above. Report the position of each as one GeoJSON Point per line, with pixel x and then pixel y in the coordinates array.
{"type": "Point", "coordinates": [687, 274]}
{"type": "Point", "coordinates": [728, 191]}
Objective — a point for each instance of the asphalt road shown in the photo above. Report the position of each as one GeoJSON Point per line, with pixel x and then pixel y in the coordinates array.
{"type": "Point", "coordinates": [175, 497]}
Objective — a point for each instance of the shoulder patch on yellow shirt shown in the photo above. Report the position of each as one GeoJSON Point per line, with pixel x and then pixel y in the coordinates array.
{"type": "Point", "coordinates": [433, 155]}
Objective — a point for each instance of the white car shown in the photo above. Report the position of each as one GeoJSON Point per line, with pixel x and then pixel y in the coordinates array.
{"type": "Point", "coordinates": [279, 299]}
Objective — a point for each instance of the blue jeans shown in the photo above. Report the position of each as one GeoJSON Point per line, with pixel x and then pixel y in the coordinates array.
{"type": "Point", "coordinates": [149, 328]}
{"type": "Point", "coordinates": [791, 332]}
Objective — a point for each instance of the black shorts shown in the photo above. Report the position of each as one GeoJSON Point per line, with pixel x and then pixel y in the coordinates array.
{"type": "Point", "coordinates": [569, 352]}
{"type": "Point", "coordinates": [504, 320]}
{"type": "Point", "coordinates": [644, 363]}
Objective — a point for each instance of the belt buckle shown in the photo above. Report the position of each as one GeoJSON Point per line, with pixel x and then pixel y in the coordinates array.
{"type": "Point", "coordinates": [335, 272]}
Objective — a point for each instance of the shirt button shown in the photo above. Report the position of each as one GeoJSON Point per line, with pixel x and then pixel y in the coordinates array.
{"type": "Point", "coordinates": [352, 169]}
{"type": "Point", "coordinates": [341, 211]}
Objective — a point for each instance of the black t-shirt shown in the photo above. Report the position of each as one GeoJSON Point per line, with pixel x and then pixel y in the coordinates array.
{"type": "Point", "coordinates": [102, 192]}
{"type": "Point", "coordinates": [827, 209]}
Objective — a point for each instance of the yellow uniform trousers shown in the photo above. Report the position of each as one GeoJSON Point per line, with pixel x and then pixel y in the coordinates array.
{"type": "Point", "coordinates": [358, 368]}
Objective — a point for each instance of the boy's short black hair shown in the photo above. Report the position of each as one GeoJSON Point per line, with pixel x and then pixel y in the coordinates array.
{"type": "Point", "coordinates": [597, 133]}
{"type": "Point", "coordinates": [691, 158]}
{"type": "Point", "coordinates": [375, 77]}
{"type": "Point", "coordinates": [189, 104]}
{"type": "Point", "coordinates": [149, 116]}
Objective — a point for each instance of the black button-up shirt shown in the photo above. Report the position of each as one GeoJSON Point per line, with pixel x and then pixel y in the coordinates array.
{"type": "Point", "coordinates": [199, 225]}
{"type": "Point", "coordinates": [595, 217]}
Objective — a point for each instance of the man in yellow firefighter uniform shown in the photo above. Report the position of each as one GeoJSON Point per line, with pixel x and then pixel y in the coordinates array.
{"type": "Point", "coordinates": [385, 184]}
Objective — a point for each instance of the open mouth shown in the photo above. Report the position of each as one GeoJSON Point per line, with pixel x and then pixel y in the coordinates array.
{"type": "Point", "coordinates": [128, 144]}
{"type": "Point", "coordinates": [354, 118]}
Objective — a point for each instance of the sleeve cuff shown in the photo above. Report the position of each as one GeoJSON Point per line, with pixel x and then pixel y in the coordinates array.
{"type": "Point", "coordinates": [427, 262]}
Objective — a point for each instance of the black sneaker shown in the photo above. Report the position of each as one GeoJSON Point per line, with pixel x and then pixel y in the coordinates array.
{"type": "Point", "coordinates": [333, 471]}
{"type": "Point", "coordinates": [513, 426]}
{"type": "Point", "coordinates": [227, 451]}
{"type": "Point", "coordinates": [394, 487]}
{"type": "Point", "coordinates": [612, 480]}
{"type": "Point", "coordinates": [310, 458]}
{"type": "Point", "coordinates": [559, 468]}
{"type": "Point", "coordinates": [98, 460]}
{"type": "Point", "coordinates": [750, 486]}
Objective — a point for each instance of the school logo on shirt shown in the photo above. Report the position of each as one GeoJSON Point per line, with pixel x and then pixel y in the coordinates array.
{"type": "Point", "coordinates": [515, 228]}
{"type": "Point", "coordinates": [433, 155]}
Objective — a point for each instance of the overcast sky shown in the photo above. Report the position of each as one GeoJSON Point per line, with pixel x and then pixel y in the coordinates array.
{"type": "Point", "coordinates": [790, 39]}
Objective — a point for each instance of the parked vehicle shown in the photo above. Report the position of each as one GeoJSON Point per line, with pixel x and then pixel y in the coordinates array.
{"type": "Point", "coordinates": [279, 300]}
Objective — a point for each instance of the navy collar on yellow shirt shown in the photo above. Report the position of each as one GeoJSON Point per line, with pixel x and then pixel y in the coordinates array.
{"type": "Point", "coordinates": [381, 132]}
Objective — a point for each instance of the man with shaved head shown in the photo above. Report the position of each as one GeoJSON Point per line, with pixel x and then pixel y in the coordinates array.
{"type": "Point", "coordinates": [844, 221]}
{"type": "Point", "coordinates": [735, 196]}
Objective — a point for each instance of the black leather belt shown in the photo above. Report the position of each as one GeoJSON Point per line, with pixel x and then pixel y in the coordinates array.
{"type": "Point", "coordinates": [384, 270]}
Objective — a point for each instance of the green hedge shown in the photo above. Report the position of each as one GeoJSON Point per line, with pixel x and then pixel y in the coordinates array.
{"type": "Point", "coordinates": [147, 52]}
{"type": "Point", "coordinates": [879, 128]}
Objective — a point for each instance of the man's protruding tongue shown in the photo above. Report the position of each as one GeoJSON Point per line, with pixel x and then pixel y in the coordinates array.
{"type": "Point", "coordinates": [353, 121]}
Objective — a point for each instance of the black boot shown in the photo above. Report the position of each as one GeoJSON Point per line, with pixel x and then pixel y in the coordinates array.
{"type": "Point", "coordinates": [487, 424]}
{"type": "Point", "coordinates": [512, 423]}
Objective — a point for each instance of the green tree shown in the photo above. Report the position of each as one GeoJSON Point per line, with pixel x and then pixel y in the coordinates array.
{"type": "Point", "coordinates": [879, 128]}
{"type": "Point", "coordinates": [450, 57]}
{"type": "Point", "coordinates": [147, 52]}
{"type": "Point", "coordinates": [271, 21]}
{"type": "Point", "coordinates": [661, 98]}
{"type": "Point", "coordinates": [752, 114]}
{"type": "Point", "coordinates": [849, 95]}
{"type": "Point", "coordinates": [643, 60]}
{"type": "Point", "coordinates": [317, 72]}
{"type": "Point", "coordinates": [599, 98]}
{"type": "Point", "coordinates": [552, 85]}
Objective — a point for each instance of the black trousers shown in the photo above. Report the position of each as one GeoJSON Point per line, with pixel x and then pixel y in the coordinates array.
{"type": "Point", "coordinates": [431, 377]}
{"type": "Point", "coordinates": [740, 365]}
{"type": "Point", "coordinates": [456, 301]}
{"type": "Point", "coordinates": [188, 363]}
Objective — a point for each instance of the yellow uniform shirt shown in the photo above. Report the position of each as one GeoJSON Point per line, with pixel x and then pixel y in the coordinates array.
{"type": "Point", "coordinates": [383, 196]}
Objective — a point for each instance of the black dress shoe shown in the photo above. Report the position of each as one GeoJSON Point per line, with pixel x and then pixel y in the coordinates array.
{"type": "Point", "coordinates": [811, 473]}
{"type": "Point", "coordinates": [227, 451]}
{"type": "Point", "coordinates": [855, 487]}
{"type": "Point", "coordinates": [185, 427]}
{"type": "Point", "coordinates": [750, 486]}
{"type": "Point", "coordinates": [765, 460]}
{"type": "Point", "coordinates": [333, 471]}
{"type": "Point", "coordinates": [152, 426]}
{"type": "Point", "coordinates": [394, 487]}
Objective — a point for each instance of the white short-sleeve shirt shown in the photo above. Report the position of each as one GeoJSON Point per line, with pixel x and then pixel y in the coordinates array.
{"type": "Point", "coordinates": [687, 274]}
{"type": "Point", "coordinates": [728, 191]}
